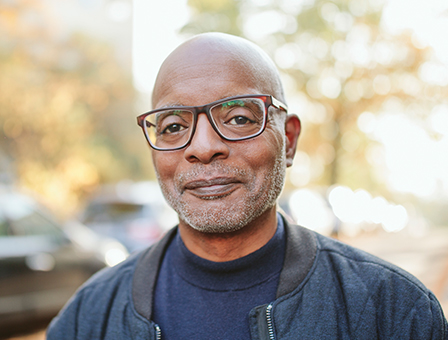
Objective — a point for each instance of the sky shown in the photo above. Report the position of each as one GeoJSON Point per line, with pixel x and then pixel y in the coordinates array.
{"type": "Point", "coordinates": [428, 19]}
{"type": "Point", "coordinates": [154, 37]}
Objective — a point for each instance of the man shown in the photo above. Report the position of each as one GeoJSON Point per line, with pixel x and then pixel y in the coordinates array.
{"type": "Point", "coordinates": [234, 268]}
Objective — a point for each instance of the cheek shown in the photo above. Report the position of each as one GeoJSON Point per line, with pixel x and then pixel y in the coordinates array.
{"type": "Point", "coordinates": [165, 165]}
{"type": "Point", "coordinates": [271, 147]}
{"type": "Point", "coordinates": [263, 157]}
{"type": "Point", "coordinates": [259, 158]}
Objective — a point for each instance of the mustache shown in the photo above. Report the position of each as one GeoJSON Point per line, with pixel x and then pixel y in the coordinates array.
{"type": "Point", "coordinates": [214, 171]}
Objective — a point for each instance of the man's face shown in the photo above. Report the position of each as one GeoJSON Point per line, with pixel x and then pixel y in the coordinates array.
{"type": "Point", "coordinates": [215, 185]}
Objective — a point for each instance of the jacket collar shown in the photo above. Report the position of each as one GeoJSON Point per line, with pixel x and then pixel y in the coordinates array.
{"type": "Point", "coordinates": [145, 275]}
{"type": "Point", "coordinates": [301, 249]}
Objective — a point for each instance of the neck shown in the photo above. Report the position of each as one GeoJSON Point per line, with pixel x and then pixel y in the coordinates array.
{"type": "Point", "coordinates": [220, 247]}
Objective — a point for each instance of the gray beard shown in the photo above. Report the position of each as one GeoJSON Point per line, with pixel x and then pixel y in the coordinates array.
{"type": "Point", "coordinates": [240, 212]}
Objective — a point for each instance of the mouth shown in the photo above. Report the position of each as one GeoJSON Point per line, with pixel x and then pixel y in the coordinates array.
{"type": "Point", "coordinates": [213, 188]}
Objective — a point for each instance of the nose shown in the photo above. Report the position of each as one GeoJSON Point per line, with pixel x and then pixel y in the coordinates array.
{"type": "Point", "coordinates": [206, 145]}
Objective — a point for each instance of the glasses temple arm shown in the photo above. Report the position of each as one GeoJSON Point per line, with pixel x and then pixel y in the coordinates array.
{"type": "Point", "coordinates": [278, 104]}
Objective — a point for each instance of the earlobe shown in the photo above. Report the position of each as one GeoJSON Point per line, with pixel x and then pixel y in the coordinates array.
{"type": "Point", "coordinates": [292, 132]}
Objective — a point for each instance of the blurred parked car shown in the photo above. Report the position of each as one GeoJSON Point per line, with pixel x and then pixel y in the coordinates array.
{"type": "Point", "coordinates": [42, 263]}
{"type": "Point", "coordinates": [136, 214]}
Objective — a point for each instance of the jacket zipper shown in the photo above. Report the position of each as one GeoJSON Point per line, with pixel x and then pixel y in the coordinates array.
{"type": "Point", "coordinates": [269, 321]}
{"type": "Point", "coordinates": [158, 333]}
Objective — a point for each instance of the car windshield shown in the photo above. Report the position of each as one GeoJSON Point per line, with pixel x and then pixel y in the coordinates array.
{"type": "Point", "coordinates": [113, 212]}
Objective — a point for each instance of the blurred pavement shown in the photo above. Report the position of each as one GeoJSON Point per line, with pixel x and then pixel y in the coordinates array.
{"type": "Point", "coordinates": [40, 335]}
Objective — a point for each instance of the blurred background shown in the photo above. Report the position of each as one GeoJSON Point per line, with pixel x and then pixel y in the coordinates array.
{"type": "Point", "coordinates": [368, 78]}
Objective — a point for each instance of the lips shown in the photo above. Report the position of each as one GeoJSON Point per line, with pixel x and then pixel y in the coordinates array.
{"type": "Point", "coordinates": [212, 188]}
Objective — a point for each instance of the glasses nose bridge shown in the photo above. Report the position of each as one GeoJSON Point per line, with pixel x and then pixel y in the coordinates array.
{"type": "Point", "coordinates": [206, 110]}
{"type": "Point", "coordinates": [202, 109]}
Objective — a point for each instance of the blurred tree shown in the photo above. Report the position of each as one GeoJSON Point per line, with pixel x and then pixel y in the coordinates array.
{"type": "Point", "coordinates": [341, 70]}
{"type": "Point", "coordinates": [65, 107]}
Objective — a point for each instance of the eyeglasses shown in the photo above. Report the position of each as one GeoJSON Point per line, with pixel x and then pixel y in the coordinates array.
{"type": "Point", "coordinates": [234, 119]}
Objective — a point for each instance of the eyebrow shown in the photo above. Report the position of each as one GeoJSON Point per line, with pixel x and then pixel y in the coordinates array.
{"type": "Point", "coordinates": [160, 115]}
{"type": "Point", "coordinates": [177, 104]}
{"type": "Point", "coordinates": [173, 104]}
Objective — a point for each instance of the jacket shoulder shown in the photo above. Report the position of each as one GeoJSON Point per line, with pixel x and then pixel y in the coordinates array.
{"type": "Point", "coordinates": [345, 257]}
{"type": "Point", "coordinates": [349, 291]}
{"type": "Point", "coordinates": [103, 304]}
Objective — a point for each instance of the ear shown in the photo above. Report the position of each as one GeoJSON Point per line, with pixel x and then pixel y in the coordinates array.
{"type": "Point", "coordinates": [292, 132]}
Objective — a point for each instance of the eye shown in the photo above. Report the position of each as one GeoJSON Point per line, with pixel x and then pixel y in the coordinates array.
{"type": "Point", "coordinates": [173, 128]}
{"type": "Point", "coordinates": [171, 122]}
{"type": "Point", "coordinates": [240, 120]}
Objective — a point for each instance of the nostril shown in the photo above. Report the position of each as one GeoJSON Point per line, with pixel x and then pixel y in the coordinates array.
{"type": "Point", "coordinates": [206, 153]}
{"type": "Point", "coordinates": [206, 145]}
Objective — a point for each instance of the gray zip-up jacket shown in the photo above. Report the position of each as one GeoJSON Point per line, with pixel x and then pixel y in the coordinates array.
{"type": "Point", "coordinates": [327, 290]}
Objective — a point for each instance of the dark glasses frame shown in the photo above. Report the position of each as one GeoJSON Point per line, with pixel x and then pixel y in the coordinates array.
{"type": "Point", "coordinates": [268, 101]}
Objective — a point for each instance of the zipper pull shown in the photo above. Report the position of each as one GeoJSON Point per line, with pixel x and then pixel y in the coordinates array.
{"type": "Point", "coordinates": [269, 322]}
{"type": "Point", "coordinates": [158, 332]}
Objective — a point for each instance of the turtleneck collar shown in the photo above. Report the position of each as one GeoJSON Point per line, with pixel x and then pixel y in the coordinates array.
{"type": "Point", "coordinates": [239, 274]}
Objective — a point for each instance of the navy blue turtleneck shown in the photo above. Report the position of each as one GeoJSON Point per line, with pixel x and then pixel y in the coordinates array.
{"type": "Point", "coordinates": [200, 299]}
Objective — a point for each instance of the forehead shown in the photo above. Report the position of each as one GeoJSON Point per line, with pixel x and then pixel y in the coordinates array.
{"type": "Point", "coordinates": [201, 81]}
{"type": "Point", "coordinates": [200, 76]}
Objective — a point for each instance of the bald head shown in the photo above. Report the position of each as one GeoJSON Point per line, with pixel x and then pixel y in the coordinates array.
{"type": "Point", "coordinates": [218, 184]}
{"type": "Point", "coordinates": [214, 55]}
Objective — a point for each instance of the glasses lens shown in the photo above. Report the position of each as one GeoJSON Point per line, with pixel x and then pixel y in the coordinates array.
{"type": "Point", "coordinates": [169, 128]}
{"type": "Point", "coordinates": [239, 118]}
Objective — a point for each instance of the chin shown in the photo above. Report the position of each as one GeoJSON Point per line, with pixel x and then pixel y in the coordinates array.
{"type": "Point", "coordinates": [224, 220]}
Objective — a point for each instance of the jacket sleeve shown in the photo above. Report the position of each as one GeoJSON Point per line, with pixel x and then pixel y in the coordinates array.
{"type": "Point", "coordinates": [66, 324]}
{"type": "Point", "coordinates": [439, 326]}
{"type": "Point", "coordinates": [102, 309]}
{"type": "Point", "coordinates": [350, 294]}
{"type": "Point", "coordinates": [403, 313]}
